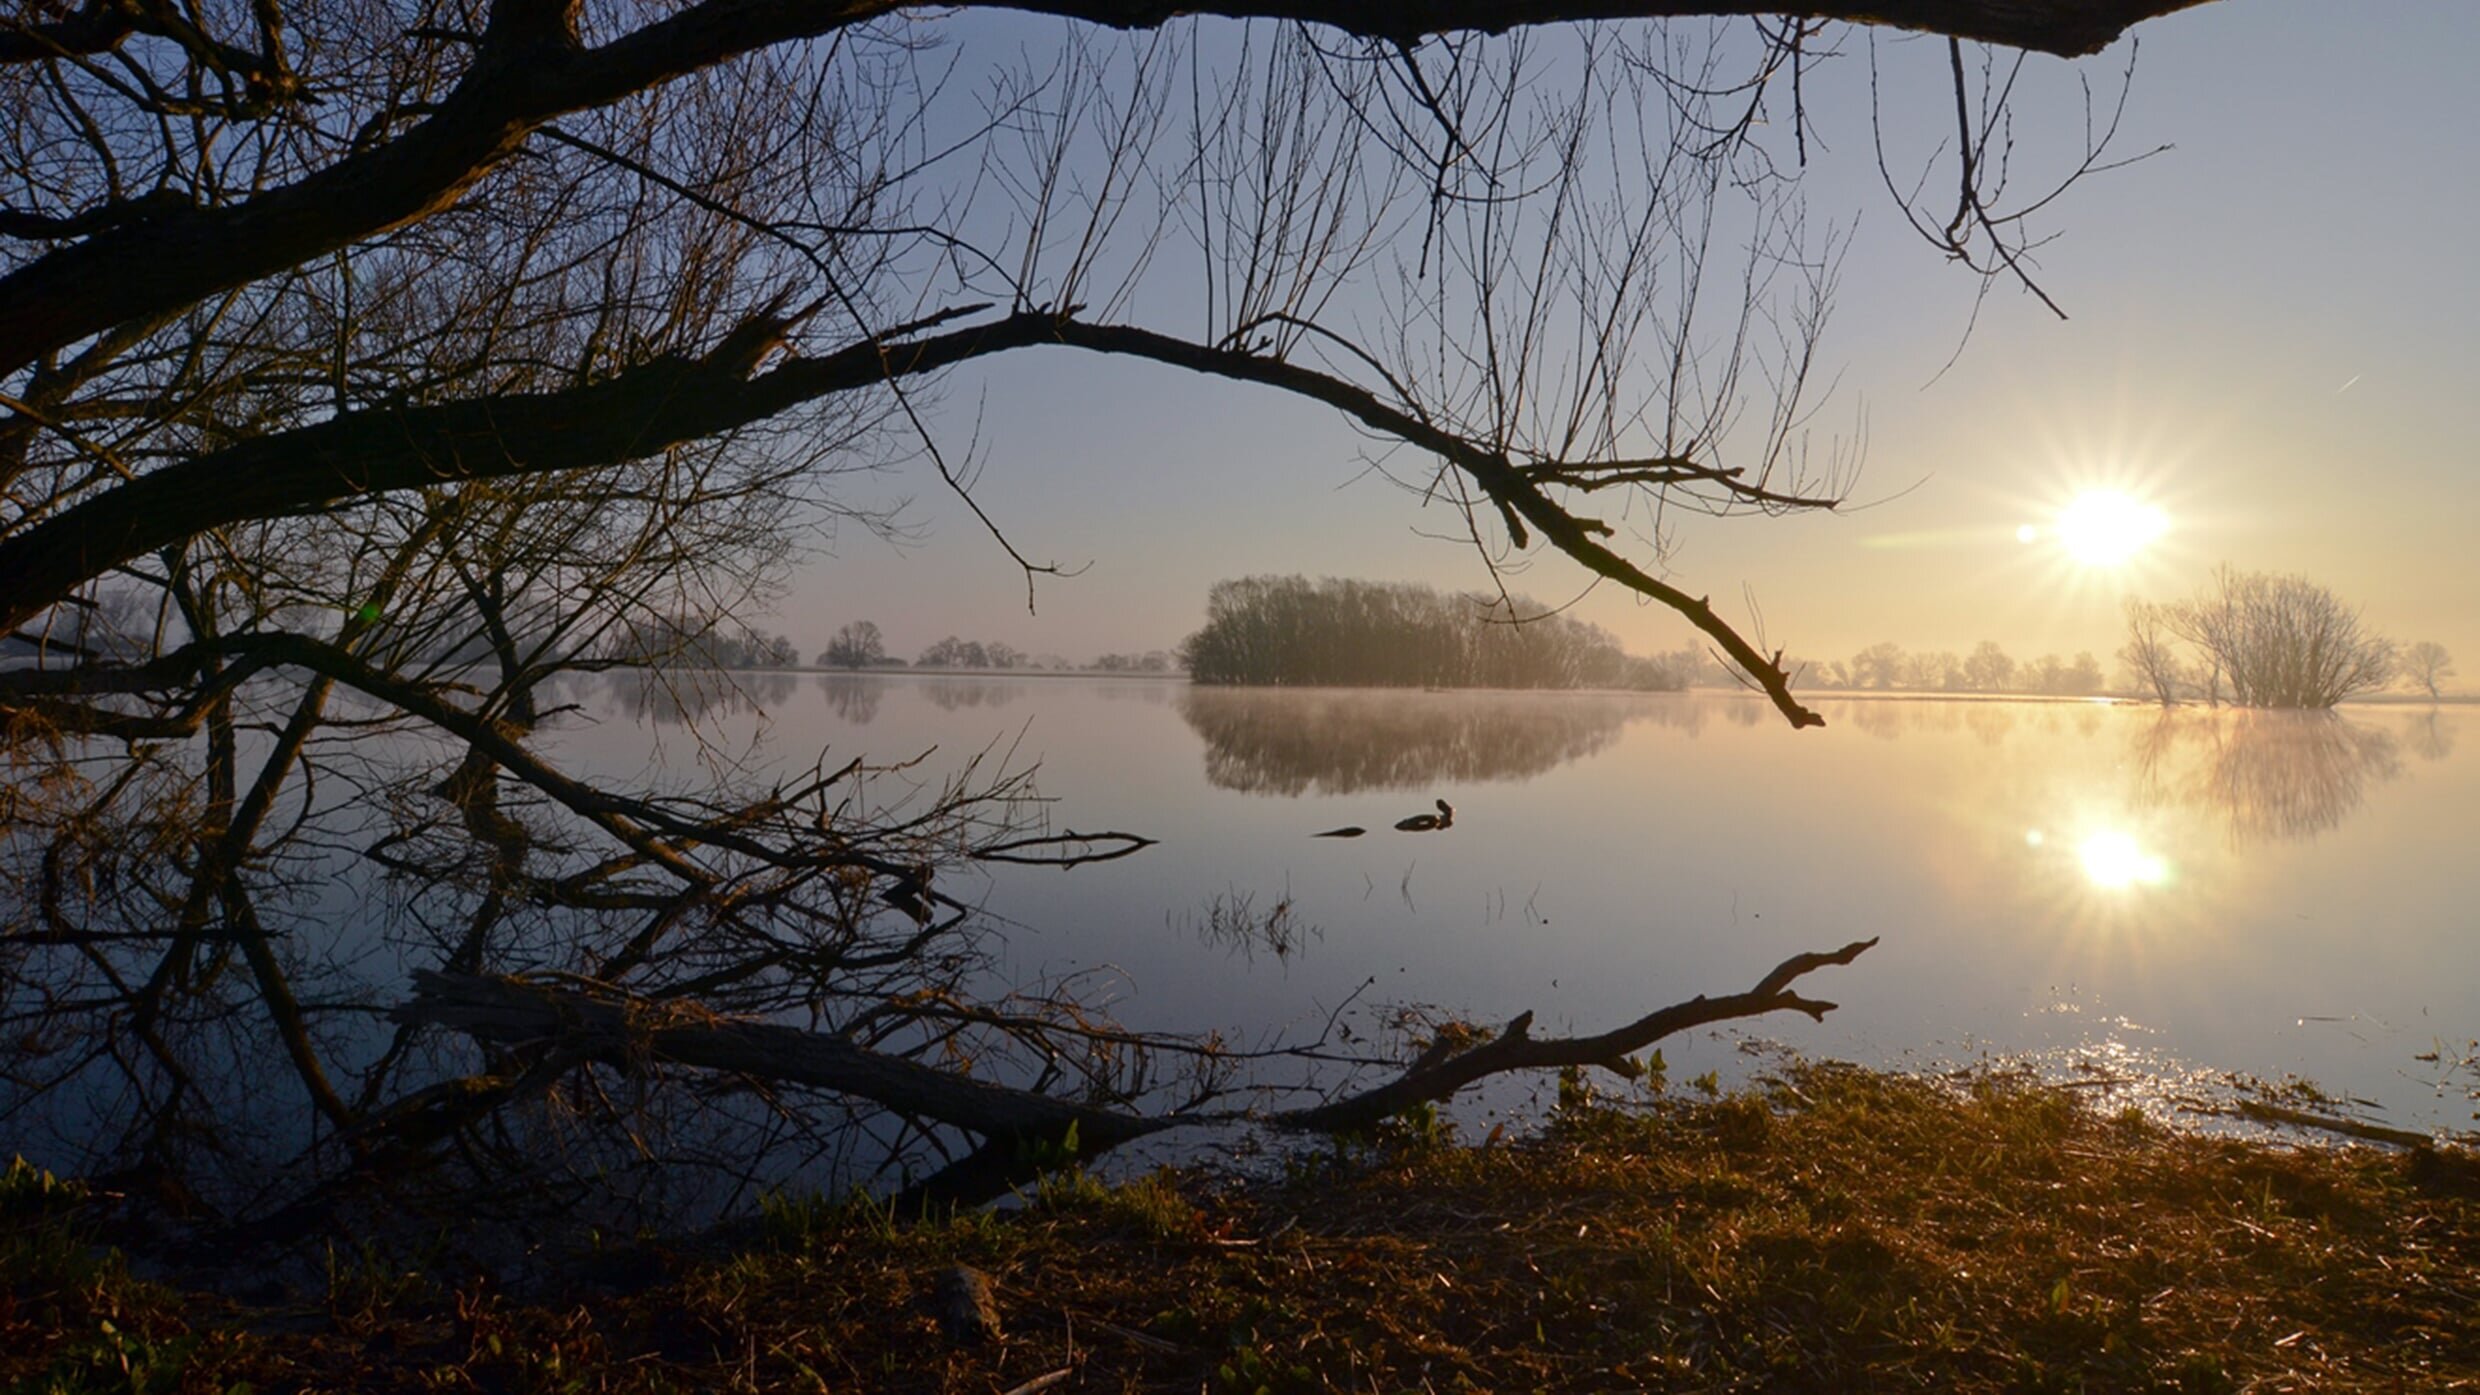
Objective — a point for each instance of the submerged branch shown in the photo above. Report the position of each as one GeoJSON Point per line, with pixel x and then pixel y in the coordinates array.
{"type": "Point", "coordinates": [1439, 1076]}
{"type": "Point", "coordinates": [1019, 1128]}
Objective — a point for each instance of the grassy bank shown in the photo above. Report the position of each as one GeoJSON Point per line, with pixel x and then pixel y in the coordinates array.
{"type": "Point", "coordinates": [1832, 1229]}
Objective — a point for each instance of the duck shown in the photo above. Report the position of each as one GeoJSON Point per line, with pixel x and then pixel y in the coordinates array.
{"type": "Point", "coordinates": [1347, 831]}
{"type": "Point", "coordinates": [1429, 823]}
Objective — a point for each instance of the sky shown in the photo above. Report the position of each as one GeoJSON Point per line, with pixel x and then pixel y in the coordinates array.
{"type": "Point", "coordinates": [2273, 337]}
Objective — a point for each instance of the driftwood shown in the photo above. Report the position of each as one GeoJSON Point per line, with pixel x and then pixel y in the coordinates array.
{"type": "Point", "coordinates": [2264, 1113]}
{"type": "Point", "coordinates": [1431, 1079]}
{"type": "Point", "coordinates": [598, 1024]}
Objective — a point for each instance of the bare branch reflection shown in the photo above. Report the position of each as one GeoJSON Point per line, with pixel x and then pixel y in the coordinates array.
{"type": "Point", "coordinates": [1330, 741]}
{"type": "Point", "coordinates": [2272, 774]}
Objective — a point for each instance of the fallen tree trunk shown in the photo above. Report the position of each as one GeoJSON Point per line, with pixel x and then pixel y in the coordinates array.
{"type": "Point", "coordinates": [1022, 1131]}
{"type": "Point", "coordinates": [635, 1033]}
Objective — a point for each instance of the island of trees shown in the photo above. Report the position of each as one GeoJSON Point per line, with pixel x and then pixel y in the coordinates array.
{"type": "Point", "coordinates": [1345, 633]}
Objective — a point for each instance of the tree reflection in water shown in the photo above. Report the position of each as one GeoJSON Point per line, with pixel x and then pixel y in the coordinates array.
{"type": "Point", "coordinates": [2272, 775]}
{"type": "Point", "coordinates": [953, 694]}
{"type": "Point", "coordinates": [1293, 742]}
{"type": "Point", "coordinates": [854, 698]}
{"type": "Point", "coordinates": [2429, 737]}
{"type": "Point", "coordinates": [685, 697]}
{"type": "Point", "coordinates": [1990, 720]}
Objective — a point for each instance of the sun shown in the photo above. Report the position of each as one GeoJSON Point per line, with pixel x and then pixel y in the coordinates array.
{"type": "Point", "coordinates": [2106, 528]}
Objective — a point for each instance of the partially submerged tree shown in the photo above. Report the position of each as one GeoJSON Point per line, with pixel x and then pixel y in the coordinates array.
{"type": "Point", "coordinates": [2279, 641]}
{"type": "Point", "coordinates": [373, 369]}
{"type": "Point", "coordinates": [2151, 653]}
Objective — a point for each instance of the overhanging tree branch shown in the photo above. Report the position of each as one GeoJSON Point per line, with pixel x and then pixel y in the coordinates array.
{"type": "Point", "coordinates": [1502, 480]}
{"type": "Point", "coordinates": [669, 402]}
{"type": "Point", "coordinates": [531, 69]}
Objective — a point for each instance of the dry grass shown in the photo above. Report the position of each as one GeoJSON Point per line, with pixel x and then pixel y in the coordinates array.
{"type": "Point", "coordinates": [1834, 1230]}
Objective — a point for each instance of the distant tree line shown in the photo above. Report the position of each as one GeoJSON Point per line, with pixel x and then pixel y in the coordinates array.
{"type": "Point", "coordinates": [700, 643]}
{"type": "Point", "coordinates": [952, 652]}
{"type": "Point", "coordinates": [1151, 661]}
{"type": "Point", "coordinates": [1347, 633]}
{"type": "Point", "coordinates": [861, 644]}
{"type": "Point", "coordinates": [1887, 667]}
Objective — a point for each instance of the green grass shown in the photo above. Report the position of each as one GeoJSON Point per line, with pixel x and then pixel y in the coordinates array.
{"type": "Point", "coordinates": [1832, 1229]}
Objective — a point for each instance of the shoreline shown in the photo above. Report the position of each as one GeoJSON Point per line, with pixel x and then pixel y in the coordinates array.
{"type": "Point", "coordinates": [1828, 1227]}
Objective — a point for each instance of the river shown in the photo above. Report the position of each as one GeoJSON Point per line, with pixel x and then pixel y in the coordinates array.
{"type": "Point", "coordinates": [2147, 902]}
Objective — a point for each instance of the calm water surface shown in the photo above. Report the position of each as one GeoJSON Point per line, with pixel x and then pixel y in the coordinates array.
{"type": "Point", "coordinates": [2114, 891]}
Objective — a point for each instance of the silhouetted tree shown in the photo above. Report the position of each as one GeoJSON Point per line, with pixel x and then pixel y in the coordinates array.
{"type": "Point", "coordinates": [1878, 666]}
{"type": "Point", "coordinates": [858, 645]}
{"type": "Point", "coordinates": [952, 652]}
{"type": "Point", "coordinates": [2052, 676]}
{"type": "Point", "coordinates": [2282, 641]}
{"type": "Point", "coordinates": [2150, 653]}
{"type": "Point", "coordinates": [2425, 664]}
{"type": "Point", "coordinates": [1990, 669]}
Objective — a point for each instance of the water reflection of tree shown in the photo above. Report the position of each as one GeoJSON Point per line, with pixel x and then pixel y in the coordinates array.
{"type": "Point", "coordinates": [1334, 742]}
{"type": "Point", "coordinates": [685, 697]}
{"type": "Point", "coordinates": [1151, 692]}
{"type": "Point", "coordinates": [1989, 721]}
{"type": "Point", "coordinates": [854, 698]}
{"type": "Point", "coordinates": [2273, 775]}
{"type": "Point", "coordinates": [950, 694]}
{"type": "Point", "coordinates": [2429, 736]}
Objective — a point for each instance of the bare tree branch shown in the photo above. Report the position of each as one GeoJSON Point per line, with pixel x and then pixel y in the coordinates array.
{"type": "Point", "coordinates": [633, 1034]}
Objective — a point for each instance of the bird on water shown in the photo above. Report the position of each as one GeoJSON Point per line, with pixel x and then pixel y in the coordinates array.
{"type": "Point", "coordinates": [1428, 823]}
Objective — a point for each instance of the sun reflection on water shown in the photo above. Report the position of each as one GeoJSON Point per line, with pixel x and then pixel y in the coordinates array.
{"type": "Point", "coordinates": [2114, 861]}
{"type": "Point", "coordinates": [2102, 851]}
